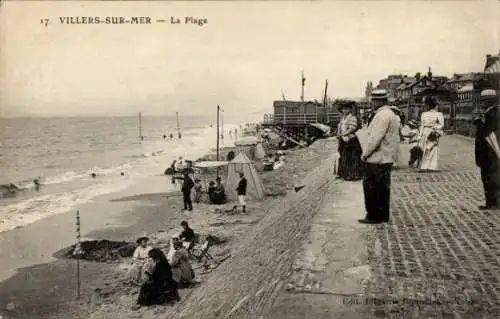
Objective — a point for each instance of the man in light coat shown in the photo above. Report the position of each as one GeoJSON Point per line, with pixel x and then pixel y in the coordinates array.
{"type": "Point", "coordinates": [379, 153]}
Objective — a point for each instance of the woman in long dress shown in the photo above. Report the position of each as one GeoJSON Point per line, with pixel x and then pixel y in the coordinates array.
{"type": "Point", "coordinates": [431, 129]}
{"type": "Point", "coordinates": [139, 259]}
{"type": "Point", "coordinates": [350, 167]}
{"type": "Point", "coordinates": [182, 271]}
{"type": "Point", "coordinates": [159, 285]}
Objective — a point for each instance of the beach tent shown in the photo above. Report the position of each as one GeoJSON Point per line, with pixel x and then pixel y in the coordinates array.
{"type": "Point", "coordinates": [204, 166]}
{"type": "Point", "coordinates": [241, 163]}
{"type": "Point", "coordinates": [251, 146]}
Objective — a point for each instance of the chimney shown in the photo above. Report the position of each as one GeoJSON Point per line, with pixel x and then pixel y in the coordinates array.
{"type": "Point", "coordinates": [417, 75]}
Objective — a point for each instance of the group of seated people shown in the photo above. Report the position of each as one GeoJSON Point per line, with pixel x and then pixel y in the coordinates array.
{"type": "Point", "coordinates": [272, 162]}
{"type": "Point", "coordinates": [158, 275]}
{"type": "Point", "coordinates": [216, 192]}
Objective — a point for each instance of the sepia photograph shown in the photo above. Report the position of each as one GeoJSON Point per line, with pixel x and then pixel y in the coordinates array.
{"type": "Point", "coordinates": [250, 159]}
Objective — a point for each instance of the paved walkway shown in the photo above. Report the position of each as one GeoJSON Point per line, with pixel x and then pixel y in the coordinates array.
{"type": "Point", "coordinates": [439, 257]}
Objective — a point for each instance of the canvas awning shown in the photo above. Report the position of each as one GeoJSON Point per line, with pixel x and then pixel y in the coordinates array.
{"type": "Point", "coordinates": [325, 128]}
{"type": "Point", "coordinates": [467, 88]}
{"type": "Point", "coordinates": [247, 141]}
{"type": "Point", "coordinates": [210, 164]}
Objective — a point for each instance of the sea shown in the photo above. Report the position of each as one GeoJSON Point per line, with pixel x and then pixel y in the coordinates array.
{"type": "Point", "coordinates": [62, 154]}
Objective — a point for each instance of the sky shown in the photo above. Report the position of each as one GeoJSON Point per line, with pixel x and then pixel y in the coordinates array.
{"type": "Point", "coordinates": [242, 59]}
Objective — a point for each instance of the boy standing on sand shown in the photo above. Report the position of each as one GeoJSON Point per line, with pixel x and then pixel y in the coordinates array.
{"type": "Point", "coordinates": [242, 191]}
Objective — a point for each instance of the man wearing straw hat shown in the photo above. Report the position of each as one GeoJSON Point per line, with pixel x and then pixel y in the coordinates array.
{"type": "Point", "coordinates": [379, 153]}
{"type": "Point", "coordinates": [487, 152]}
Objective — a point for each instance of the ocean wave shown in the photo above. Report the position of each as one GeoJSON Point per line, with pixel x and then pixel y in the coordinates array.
{"type": "Point", "coordinates": [137, 162]}
{"type": "Point", "coordinates": [29, 211]}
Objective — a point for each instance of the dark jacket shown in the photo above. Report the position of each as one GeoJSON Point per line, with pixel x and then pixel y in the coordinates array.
{"type": "Point", "coordinates": [187, 234]}
{"type": "Point", "coordinates": [485, 156]}
{"type": "Point", "coordinates": [187, 184]}
{"type": "Point", "coordinates": [242, 187]}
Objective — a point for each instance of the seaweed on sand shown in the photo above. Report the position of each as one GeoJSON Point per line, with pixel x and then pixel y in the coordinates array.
{"type": "Point", "coordinates": [99, 250]}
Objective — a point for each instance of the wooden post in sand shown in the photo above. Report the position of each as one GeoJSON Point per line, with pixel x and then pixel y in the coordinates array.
{"type": "Point", "coordinates": [218, 136]}
{"type": "Point", "coordinates": [77, 252]}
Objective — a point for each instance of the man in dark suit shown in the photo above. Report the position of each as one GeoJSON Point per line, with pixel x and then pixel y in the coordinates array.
{"type": "Point", "coordinates": [187, 185]}
{"type": "Point", "coordinates": [487, 152]}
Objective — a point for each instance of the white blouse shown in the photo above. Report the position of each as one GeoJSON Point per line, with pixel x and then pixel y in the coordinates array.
{"type": "Point", "coordinates": [141, 252]}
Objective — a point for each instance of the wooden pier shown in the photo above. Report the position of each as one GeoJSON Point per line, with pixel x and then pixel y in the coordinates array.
{"type": "Point", "coordinates": [301, 121]}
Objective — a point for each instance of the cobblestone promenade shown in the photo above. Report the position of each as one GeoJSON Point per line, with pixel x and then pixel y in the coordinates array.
{"type": "Point", "coordinates": [439, 257]}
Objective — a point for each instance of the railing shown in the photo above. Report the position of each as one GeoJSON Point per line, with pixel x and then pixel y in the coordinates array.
{"type": "Point", "coordinates": [300, 118]}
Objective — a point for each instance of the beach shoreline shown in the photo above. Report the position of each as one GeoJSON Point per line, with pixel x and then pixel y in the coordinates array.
{"type": "Point", "coordinates": [155, 213]}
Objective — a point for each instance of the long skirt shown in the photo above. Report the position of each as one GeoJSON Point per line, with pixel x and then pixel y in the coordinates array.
{"type": "Point", "coordinates": [156, 294]}
{"type": "Point", "coordinates": [430, 156]}
{"type": "Point", "coordinates": [183, 274]}
{"type": "Point", "coordinates": [350, 166]}
{"type": "Point", "coordinates": [135, 274]}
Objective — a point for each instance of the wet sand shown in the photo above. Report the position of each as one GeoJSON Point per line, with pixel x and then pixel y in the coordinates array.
{"type": "Point", "coordinates": [46, 287]}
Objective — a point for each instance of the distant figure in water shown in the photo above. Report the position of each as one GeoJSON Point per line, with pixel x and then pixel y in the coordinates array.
{"type": "Point", "coordinates": [171, 136]}
{"type": "Point", "coordinates": [180, 135]}
{"type": "Point", "coordinates": [122, 174]}
{"type": "Point", "coordinates": [164, 136]}
{"type": "Point", "coordinates": [93, 175]}
{"type": "Point", "coordinates": [142, 138]}
{"type": "Point", "coordinates": [37, 183]}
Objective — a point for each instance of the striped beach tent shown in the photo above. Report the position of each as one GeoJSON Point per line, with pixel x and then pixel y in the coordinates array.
{"type": "Point", "coordinates": [255, 188]}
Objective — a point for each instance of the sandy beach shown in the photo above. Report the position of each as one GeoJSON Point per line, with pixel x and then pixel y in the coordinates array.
{"type": "Point", "coordinates": [142, 210]}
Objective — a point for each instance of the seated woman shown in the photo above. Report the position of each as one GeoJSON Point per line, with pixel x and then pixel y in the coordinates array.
{"type": "Point", "coordinates": [216, 192]}
{"type": "Point", "coordinates": [139, 259]}
{"type": "Point", "coordinates": [182, 272]}
{"type": "Point", "coordinates": [219, 192]}
{"type": "Point", "coordinates": [211, 188]}
{"type": "Point", "coordinates": [160, 285]}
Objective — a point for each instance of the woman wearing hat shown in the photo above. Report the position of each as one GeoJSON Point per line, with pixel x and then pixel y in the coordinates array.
{"type": "Point", "coordinates": [431, 126]}
{"type": "Point", "coordinates": [139, 259]}
{"type": "Point", "coordinates": [350, 167]}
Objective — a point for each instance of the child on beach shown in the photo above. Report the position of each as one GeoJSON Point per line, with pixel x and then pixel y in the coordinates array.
{"type": "Point", "coordinates": [197, 190]}
{"type": "Point", "coordinates": [139, 259]}
{"type": "Point", "coordinates": [187, 235]}
{"type": "Point", "coordinates": [415, 151]}
{"type": "Point", "coordinates": [241, 190]}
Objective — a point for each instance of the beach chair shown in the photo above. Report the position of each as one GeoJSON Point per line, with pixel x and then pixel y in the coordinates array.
{"type": "Point", "coordinates": [201, 251]}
